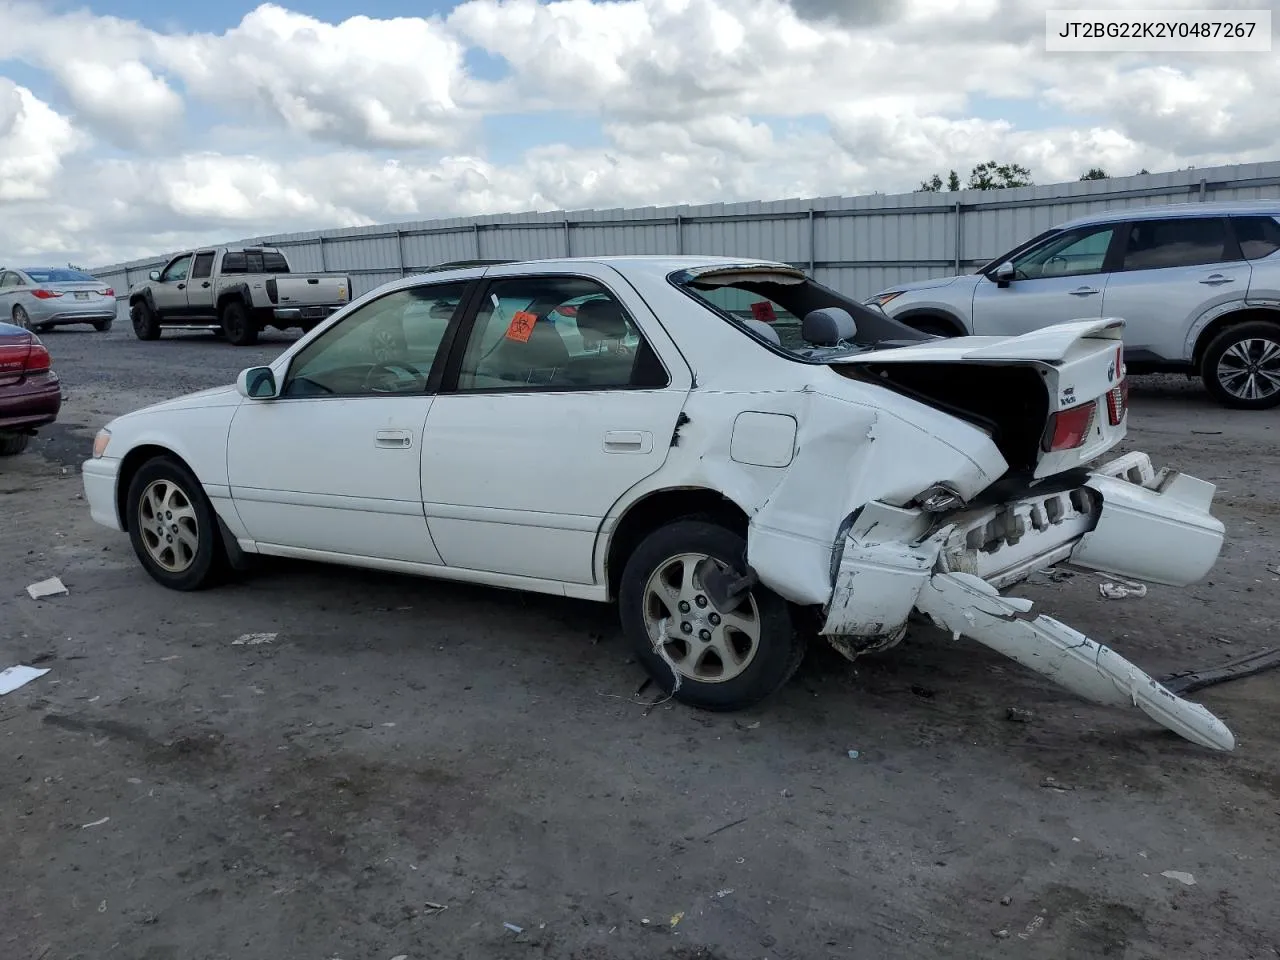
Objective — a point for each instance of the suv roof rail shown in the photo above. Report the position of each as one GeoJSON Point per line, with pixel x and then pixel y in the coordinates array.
{"type": "Point", "coordinates": [461, 264]}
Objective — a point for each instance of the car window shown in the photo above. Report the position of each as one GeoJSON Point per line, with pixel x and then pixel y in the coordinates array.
{"type": "Point", "coordinates": [387, 346]}
{"type": "Point", "coordinates": [1181, 242]}
{"type": "Point", "coordinates": [9, 280]}
{"type": "Point", "coordinates": [61, 275]}
{"type": "Point", "coordinates": [1070, 254]}
{"type": "Point", "coordinates": [177, 270]}
{"type": "Point", "coordinates": [559, 333]}
{"type": "Point", "coordinates": [203, 265]}
{"type": "Point", "coordinates": [1258, 236]}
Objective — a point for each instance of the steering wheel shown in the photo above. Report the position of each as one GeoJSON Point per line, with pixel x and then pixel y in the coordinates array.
{"type": "Point", "coordinates": [1058, 257]}
{"type": "Point", "coordinates": [419, 378]}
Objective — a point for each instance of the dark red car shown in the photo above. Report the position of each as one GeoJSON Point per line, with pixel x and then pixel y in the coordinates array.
{"type": "Point", "coordinates": [30, 392]}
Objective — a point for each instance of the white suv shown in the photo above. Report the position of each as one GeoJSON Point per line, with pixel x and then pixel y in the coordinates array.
{"type": "Point", "coordinates": [1197, 284]}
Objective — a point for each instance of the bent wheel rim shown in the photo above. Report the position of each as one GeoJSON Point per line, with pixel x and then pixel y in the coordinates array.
{"type": "Point", "coordinates": [701, 641]}
{"type": "Point", "coordinates": [1250, 369]}
{"type": "Point", "coordinates": [168, 525]}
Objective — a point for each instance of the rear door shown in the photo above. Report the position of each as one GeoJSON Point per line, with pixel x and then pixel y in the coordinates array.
{"type": "Point", "coordinates": [1172, 272]}
{"type": "Point", "coordinates": [1060, 279]}
{"type": "Point", "coordinates": [200, 291]}
{"type": "Point", "coordinates": [535, 435]}
{"type": "Point", "coordinates": [10, 285]}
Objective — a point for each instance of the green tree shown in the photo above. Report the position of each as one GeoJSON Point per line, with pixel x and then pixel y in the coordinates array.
{"type": "Point", "coordinates": [935, 183]}
{"type": "Point", "coordinates": [999, 176]}
{"type": "Point", "coordinates": [1095, 173]}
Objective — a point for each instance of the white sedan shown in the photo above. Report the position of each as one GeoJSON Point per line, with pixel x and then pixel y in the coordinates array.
{"type": "Point", "coordinates": [725, 447]}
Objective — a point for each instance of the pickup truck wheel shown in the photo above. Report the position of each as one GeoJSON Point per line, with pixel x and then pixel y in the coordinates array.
{"type": "Point", "coordinates": [145, 324]}
{"type": "Point", "coordinates": [717, 659]}
{"type": "Point", "coordinates": [14, 445]}
{"type": "Point", "coordinates": [1241, 366]}
{"type": "Point", "coordinates": [236, 325]}
{"type": "Point", "coordinates": [173, 527]}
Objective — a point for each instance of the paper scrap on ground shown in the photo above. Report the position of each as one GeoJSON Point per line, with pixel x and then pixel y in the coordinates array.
{"type": "Point", "coordinates": [52, 587]}
{"type": "Point", "coordinates": [1122, 590]}
{"type": "Point", "coordinates": [253, 639]}
{"type": "Point", "coordinates": [96, 823]}
{"type": "Point", "coordinates": [14, 677]}
{"type": "Point", "coordinates": [1181, 876]}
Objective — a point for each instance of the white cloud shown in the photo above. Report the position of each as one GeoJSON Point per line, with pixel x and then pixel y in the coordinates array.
{"type": "Point", "coordinates": [287, 122]}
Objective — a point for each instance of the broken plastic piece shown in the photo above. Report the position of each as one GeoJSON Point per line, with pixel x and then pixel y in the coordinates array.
{"type": "Point", "coordinates": [53, 587]}
{"type": "Point", "coordinates": [1123, 589]}
{"type": "Point", "coordinates": [513, 928]}
{"type": "Point", "coordinates": [253, 639]}
{"type": "Point", "coordinates": [12, 678]}
{"type": "Point", "coordinates": [962, 603]}
{"type": "Point", "coordinates": [1188, 680]}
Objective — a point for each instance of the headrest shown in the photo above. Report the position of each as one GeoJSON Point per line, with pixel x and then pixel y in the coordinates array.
{"type": "Point", "coordinates": [763, 329]}
{"type": "Point", "coordinates": [828, 327]}
{"type": "Point", "coordinates": [604, 318]}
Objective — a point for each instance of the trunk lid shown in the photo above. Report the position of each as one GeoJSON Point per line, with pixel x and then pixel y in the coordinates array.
{"type": "Point", "coordinates": [1055, 398]}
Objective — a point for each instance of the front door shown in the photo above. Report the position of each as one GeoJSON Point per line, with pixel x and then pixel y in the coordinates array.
{"type": "Point", "coordinates": [1059, 280]}
{"type": "Point", "coordinates": [1170, 274]}
{"type": "Point", "coordinates": [334, 463]}
{"type": "Point", "coordinates": [559, 405]}
{"type": "Point", "coordinates": [169, 293]}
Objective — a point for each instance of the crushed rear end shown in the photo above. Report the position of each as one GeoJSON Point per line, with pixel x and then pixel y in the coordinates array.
{"type": "Point", "coordinates": [30, 391]}
{"type": "Point", "coordinates": [1053, 401]}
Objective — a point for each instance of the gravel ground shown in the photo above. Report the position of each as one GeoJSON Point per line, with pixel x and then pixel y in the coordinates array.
{"type": "Point", "coordinates": [413, 766]}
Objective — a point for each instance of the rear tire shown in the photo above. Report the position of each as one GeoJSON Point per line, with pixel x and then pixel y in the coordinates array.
{"type": "Point", "coordinates": [726, 660]}
{"type": "Point", "coordinates": [102, 326]}
{"type": "Point", "coordinates": [1241, 366]}
{"type": "Point", "coordinates": [21, 318]}
{"type": "Point", "coordinates": [145, 324]}
{"type": "Point", "coordinates": [12, 446]}
{"type": "Point", "coordinates": [173, 526]}
{"type": "Point", "coordinates": [238, 328]}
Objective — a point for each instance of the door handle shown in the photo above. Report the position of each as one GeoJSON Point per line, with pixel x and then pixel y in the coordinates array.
{"type": "Point", "coordinates": [182, 286]}
{"type": "Point", "coordinates": [392, 439]}
{"type": "Point", "coordinates": [628, 441]}
{"type": "Point", "coordinates": [205, 284]}
{"type": "Point", "coordinates": [1083, 292]}
{"type": "Point", "coordinates": [1216, 278]}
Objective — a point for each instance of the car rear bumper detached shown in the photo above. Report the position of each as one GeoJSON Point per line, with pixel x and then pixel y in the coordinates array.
{"type": "Point", "coordinates": [99, 476]}
{"type": "Point", "coordinates": [1126, 519]}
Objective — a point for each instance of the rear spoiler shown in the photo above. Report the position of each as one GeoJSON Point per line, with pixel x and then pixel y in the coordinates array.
{"type": "Point", "coordinates": [1051, 345]}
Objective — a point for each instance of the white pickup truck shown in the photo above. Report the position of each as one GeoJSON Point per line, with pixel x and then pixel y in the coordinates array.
{"type": "Point", "coordinates": [240, 290]}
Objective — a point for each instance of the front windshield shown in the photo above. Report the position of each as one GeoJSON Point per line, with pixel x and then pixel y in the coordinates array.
{"type": "Point", "coordinates": [773, 307]}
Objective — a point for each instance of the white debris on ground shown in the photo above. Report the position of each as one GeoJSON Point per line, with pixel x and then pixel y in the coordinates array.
{"type": "Point", "coordinates": [253, 639]}
{"type": "Point", "coordinates": [1181, 876]}
{"type": "Point", "coordinates": [53, 587]}
{"type": "Point", "coordinates": [1122, 590]}
{"type": "Point", "coordinates": [11, 678]}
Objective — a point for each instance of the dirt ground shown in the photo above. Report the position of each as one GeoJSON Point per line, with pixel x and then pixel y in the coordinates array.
{"type": "Point", "coordinates": [412, 766]}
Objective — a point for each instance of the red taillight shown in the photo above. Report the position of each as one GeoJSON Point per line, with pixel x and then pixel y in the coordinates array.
{"type": "Point", "coordinates": [38, 359]}
{"type": "Point", "coordinates": [108, 292]}
{"type": "Point", "coordinates": [1070, 428]}
{"type": "Point", "coordinates": [1118, 402]}
{"type": "Point", "coordinates": [42, 294]}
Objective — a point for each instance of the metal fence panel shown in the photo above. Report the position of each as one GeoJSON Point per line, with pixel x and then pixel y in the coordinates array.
{"type": "Point", "coordinates": [859, 245]}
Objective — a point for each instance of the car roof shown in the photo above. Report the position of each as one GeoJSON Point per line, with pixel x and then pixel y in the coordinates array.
{"type": "Point", "coordinates": [1218, 208]}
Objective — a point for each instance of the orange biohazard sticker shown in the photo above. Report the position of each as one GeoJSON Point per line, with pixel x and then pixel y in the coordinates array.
{"type": "Point", "coordinates": [521, 326]}
{"type": "Point", "coordinates": [762, 310]}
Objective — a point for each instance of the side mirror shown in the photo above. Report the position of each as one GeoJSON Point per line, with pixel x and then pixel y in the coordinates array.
{"type": "Point", "coordinates": [1004, 274]}
{"type": "Point", "coordinates": [154, 274]}
{"type": "Point", "coordinates": [257, 383]}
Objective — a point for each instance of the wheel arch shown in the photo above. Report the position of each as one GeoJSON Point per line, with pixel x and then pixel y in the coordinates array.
{"type": "Point", "coordinates": [1244, 314]}
{"type": "Point", "coordinates": [238, 292]}
{"type": "Point", "coordinates": [658, 508]}
{"type": "Point", "coordinates": [935, 315]}
{"type": "Point", "coordinates": [129, 467]}
{"type": "Point", "coordinates": [144, 296]}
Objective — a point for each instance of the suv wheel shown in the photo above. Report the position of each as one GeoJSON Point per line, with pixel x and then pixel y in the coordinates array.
{"type": "Point", "coordinates": [704, 656]}
{"type": "Point", "coordinates": [1241, 366]}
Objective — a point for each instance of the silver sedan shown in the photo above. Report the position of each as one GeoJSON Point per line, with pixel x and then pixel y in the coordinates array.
{"type": "Point", "coordinates": [38, 298]}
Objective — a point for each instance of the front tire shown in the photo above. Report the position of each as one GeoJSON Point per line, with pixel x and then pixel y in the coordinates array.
{"type": "Point", "coordinates": [724, 659]}
{"type": "Point", "coordinates": [21, 318]}
{"type": "Point", "coordinates": [173, 526]}
{"type": "Point", "coordinates": [1241, 366]}
{"type": "Point", "coordinates": [236, 325]}
{"type": "Point", "coordinates": [145, 324]}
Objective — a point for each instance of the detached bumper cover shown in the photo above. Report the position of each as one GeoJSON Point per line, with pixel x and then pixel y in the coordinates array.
{"type": "Point", "coordinates": [1127, 519]}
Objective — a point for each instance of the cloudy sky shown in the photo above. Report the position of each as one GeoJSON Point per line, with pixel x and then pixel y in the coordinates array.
{"type": "Point", "coordinates": [130, 128]}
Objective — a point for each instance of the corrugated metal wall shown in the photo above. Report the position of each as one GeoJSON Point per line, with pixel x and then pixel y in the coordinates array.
{"type": "Point", "coordinates": [859, 245]}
